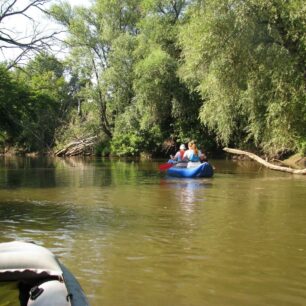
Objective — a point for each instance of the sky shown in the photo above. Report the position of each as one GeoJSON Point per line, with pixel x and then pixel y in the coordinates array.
{"type": "Point", "coordinates": [22, 27]}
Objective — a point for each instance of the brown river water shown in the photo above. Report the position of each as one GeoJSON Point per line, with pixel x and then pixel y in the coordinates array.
{"type": "Point", "coordinates": [133, 236]}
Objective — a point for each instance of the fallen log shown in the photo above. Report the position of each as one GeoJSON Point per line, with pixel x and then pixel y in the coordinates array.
{"type": "Point", "coordinates": [78, 147]}
{"type": "Point", "coordinates": [263, 162]}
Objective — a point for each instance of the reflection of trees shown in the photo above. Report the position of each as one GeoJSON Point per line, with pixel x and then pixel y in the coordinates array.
{"type": "Point", "coordinates": [83, 171]}
{"type": "Point", "coordinates": [17, 162]}
{"type": "Point", "coordinates": [34, 172]}
{"type": "Point", "coordinates": [27, 172]}
{"type": "Point", "coordinates": [75, 161]}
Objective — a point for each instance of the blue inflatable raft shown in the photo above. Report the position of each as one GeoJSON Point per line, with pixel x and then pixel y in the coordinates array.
{"type": "Point", "coordinates": [203, 170]}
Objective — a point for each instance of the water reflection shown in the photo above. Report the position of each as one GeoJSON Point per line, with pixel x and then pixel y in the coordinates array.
{"type": "Point", "coordinates": [74, 172]}
{"type": "Point", "coordinates": [189, 192]}
{"type": "Point", "coordinates": [129, 233]}
{"type": "Point", "coordinates": [20, 172]}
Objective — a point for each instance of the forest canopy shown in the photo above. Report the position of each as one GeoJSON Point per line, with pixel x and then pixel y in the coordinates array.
{"type": "Point", "coordinates": [147, 75]}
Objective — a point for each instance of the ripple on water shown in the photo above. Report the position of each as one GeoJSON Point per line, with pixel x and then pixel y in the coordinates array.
{"type": "Point", "coordinates": [129, 233]}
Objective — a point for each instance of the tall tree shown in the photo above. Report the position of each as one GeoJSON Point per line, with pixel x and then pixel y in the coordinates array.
{"type": "Point", "coordinates": [130, 54]}
{"type": "Point", "coordinates": [247, 60]}
{"type": "Point", "coordinates": [33, 101]}
{"type": "Point", "coordinates": [164, 101]}
{"type": "Point", "coordinates": [101, 39]}
{"type": "Point", "coordinates": [10, 94]}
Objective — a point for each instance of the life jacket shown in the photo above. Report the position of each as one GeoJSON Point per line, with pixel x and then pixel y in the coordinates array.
{"type": "Point", "coordinates": [180, 157]}
{"type": "Point", "coordinates": [193, 157]}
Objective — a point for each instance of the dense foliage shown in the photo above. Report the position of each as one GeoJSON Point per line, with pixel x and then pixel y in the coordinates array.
{"type": "Point", "coordinates": [145, 73]}
{"type": "Point", "coordinates": [33, 103]}
{"type": "Point", "coordinates": [247, 60]}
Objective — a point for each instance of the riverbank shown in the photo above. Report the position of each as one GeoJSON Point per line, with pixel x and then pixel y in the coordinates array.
{"type": "Point", "coordinates": [295, 161]}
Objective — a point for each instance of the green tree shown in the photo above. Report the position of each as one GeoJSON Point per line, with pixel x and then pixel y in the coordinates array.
{"type": "Point", "coordinates": [164, 102]}
{"type": "Point", "coordinates": [128, 52]}
{"type": "Point", "coordinates": [33, 102]}
{"type": "Point", "coordinates": [44, 76]}
{"type": "Point", "coordinates": [247, 61]}
{"type": "Point", "coordinates": [10, 95]}
{"type": "Point", "coordinates": [101, 39]}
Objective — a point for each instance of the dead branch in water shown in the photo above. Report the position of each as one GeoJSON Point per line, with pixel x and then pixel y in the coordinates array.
{"type": "Point", "coordinates": [78, 147]}
{"type": "Point", "coordinates": [263, 162]}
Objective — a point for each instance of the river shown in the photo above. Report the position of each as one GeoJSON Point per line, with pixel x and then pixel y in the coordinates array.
{"type": "Point", "coordinates": [133, 236]}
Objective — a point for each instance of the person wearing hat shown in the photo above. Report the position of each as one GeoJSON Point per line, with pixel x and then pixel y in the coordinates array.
{"type": "Point", "coordinates": [178, 157]}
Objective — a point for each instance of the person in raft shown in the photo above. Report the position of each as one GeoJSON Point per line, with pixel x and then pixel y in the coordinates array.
{"type": "Point", "coordinates": [193, 155]}
{"type": "Point", "coordinates": [178, 157]}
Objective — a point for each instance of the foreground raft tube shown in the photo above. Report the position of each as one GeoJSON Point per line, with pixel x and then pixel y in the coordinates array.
{"type": "Point", "coordinates": [42, 279]}
{"type": "Point", "coordinates": [203, 170]}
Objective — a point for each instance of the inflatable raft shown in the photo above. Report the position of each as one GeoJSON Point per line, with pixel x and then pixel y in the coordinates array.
{"type": "Point", "coordinates": [201, 170]}
{"type": "Point", "coordinates": [41, 279]}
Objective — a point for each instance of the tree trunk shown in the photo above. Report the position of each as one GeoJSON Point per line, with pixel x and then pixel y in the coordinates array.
{"type": "Point", "coordinates": [263, 162]}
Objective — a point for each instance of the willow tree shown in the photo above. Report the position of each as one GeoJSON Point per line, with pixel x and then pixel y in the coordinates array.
{"type": "Point", "coordinates": [165, 101]}
{"type": "Point", "coordinates": [101, 42]}
{"type": "Point", "coordinates": [127, 51]}
{"type": "Point", "coordinates": [247, 60]}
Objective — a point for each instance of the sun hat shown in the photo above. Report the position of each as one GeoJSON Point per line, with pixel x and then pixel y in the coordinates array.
{"type": "Point", "coordinates": [182, 147]}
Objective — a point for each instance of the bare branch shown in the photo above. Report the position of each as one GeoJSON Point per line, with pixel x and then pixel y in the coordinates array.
{"type": "Point", "coordinates": [37, 41]}
{"type": "Point", "coordinates": [16, 60]}
{"type": "Point", "coordinates": [6, 11]}
{"type": "Point", "coordinates": [35, 3]}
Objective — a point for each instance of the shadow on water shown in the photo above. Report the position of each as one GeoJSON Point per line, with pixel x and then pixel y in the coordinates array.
{"type": "Point", "coordinates": [16, 172]}
{"type": "Point", "coordinates": [40, 173]}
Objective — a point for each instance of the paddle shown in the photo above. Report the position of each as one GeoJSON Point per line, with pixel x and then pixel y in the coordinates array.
{"type": "Point", "coordinates": [166, 166]}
